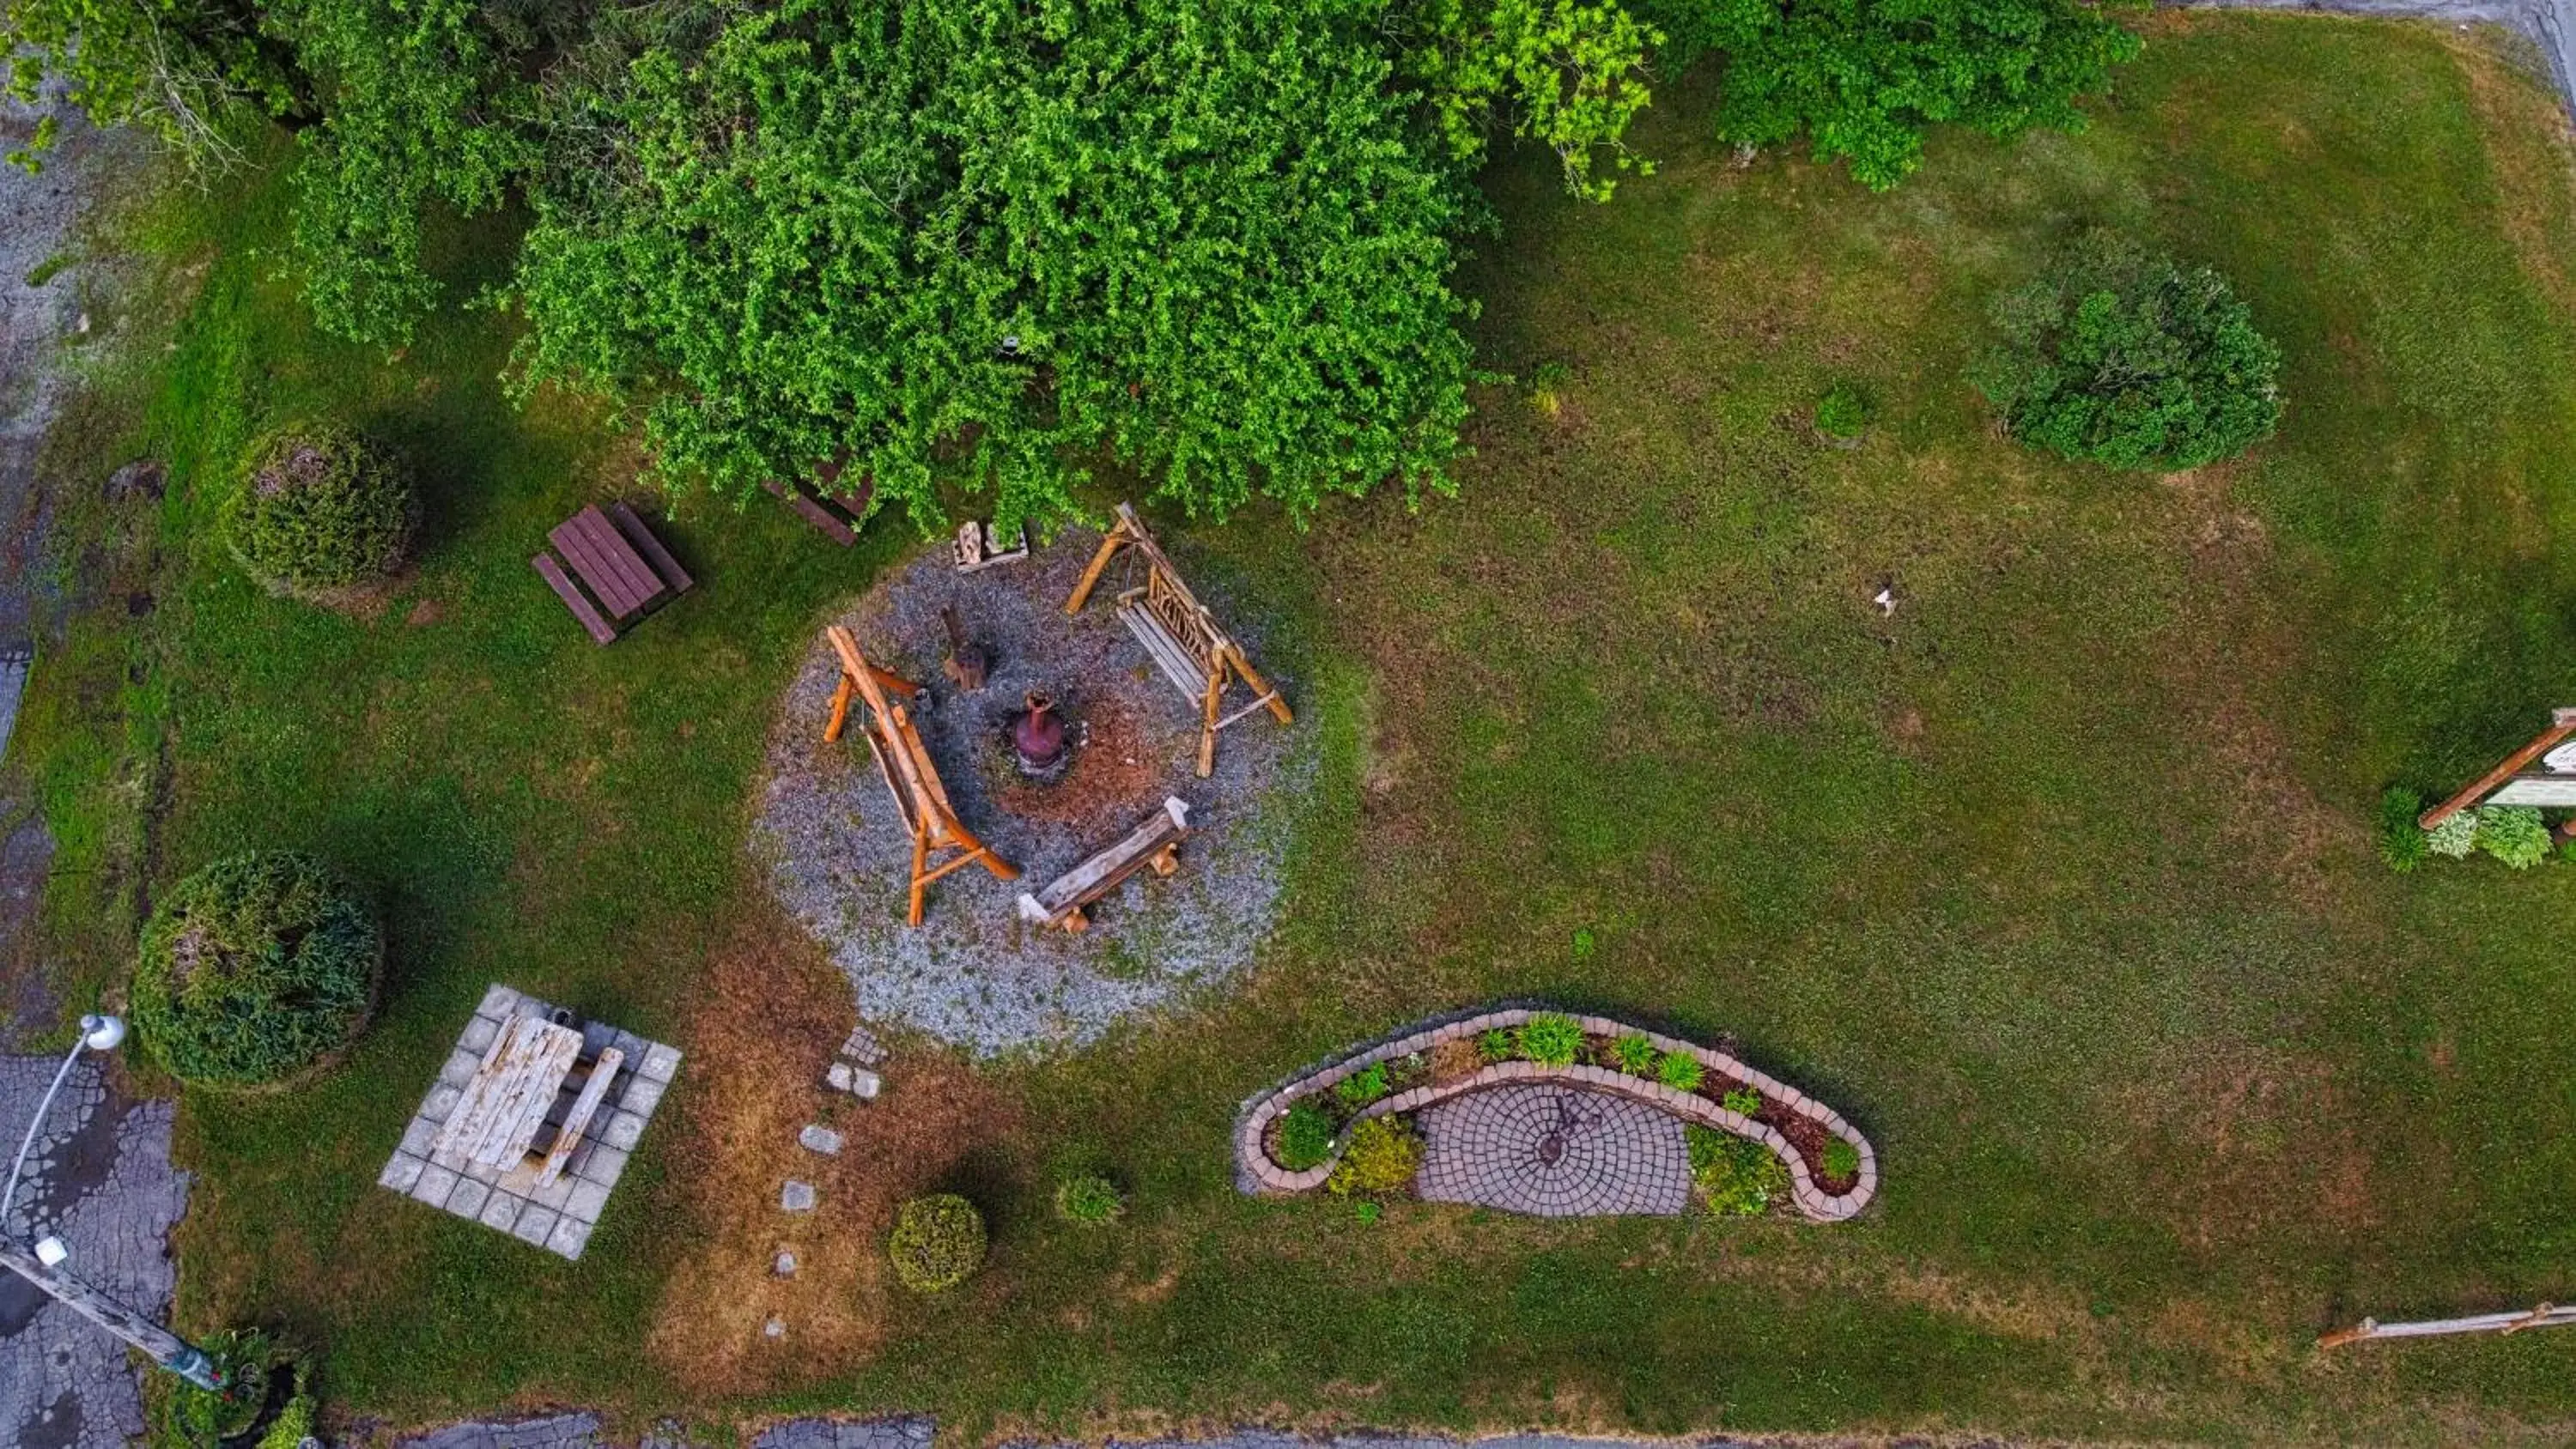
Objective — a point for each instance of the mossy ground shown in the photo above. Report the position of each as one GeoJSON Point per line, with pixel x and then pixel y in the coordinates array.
{"type": "Point", "coordinates": [2058, 882]}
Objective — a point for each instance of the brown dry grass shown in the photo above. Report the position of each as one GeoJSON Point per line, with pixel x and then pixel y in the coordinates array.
{"type": "Point", "coordinates": [775, 1016]}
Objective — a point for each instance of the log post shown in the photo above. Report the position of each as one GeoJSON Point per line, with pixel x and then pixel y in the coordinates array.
{"type": "Point", "coordinates": [159, 1344]}
{"type": "Point", "coordinates": [1252, 677]}
{"type": "Point", "coordinates": [840, 710]}
{"type": "Point", "coordinates": [1207, 717]}
{"type": "Point", "coordinates": [1110, 543]}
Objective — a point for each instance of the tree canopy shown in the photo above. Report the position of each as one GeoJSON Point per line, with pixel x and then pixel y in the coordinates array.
{"type": "Point", "coordinates": [989, 244]}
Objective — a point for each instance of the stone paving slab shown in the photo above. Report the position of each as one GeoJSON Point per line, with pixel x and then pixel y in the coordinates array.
{"type": "Point", "coordinates": [559, 1216]}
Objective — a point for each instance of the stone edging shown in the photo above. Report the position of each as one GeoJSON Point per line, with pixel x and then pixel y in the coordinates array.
{"type": "Point", "coordinates": [1811, 1198]}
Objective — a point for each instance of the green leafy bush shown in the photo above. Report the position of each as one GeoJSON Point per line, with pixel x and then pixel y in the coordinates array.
{"type": "Point", "coordinates": [253, 969]}
{"type": "Point", "coordinates": [1843, 411]}
{"type": "Point", "coordinates": [1494, 1045]}
{"type": "Point", "coordinates": [184, 1416]}
{"type": "Point", "coordinates": [1742, 1101]}
{"type": "Point", "coordinates": [1368, 1211]}
{"type": "Point", "coordinates": [1842, 1160]}
{"type": "Point", "coordinates": [2514, 834]}
{"type": "Point", "coordinates": [1089, 1199]}
{"type": "Point", "coordinates": [937, 1243]}
{"type": "Point", "coordinates": [318, 508]}
{"type": "Point", "coordinates": [294, 1423]}
{"type": "Point", "coordinates": [1736, 1177]}
{"type": "Point", "coordinates": [2401, 840]}
{"type": "Point", "coordinates": [2455, 836]}
{"type": "Point", "coordinates": [1635, 1055]}
{"type": "Point", "coordinates": [2127, 358]}
{"type": "Point", "coordinates": [1551, 1040]}
{"type": "Point", "coordinates": [1680, 1071]}
{"type": "Point", "coordinates": [1305, 1136]}
{"type": "Point", "coordinates": [1864, 79]}
{"type": "Point", "coordinates": [1362, 1087]}
{"type": "Point", "coordinates": [1382, 1157]}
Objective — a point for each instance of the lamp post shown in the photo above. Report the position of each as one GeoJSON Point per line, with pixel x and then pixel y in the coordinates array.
{"type": "Point", "coordinates": [41, 1263]}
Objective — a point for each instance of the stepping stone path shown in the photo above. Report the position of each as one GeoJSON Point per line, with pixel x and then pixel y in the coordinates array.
{"type": "Point", "coordinates": [1554, 1152]}
{"type": "Point", "coordinates": [853, 1069]}
{"type": "Point", "coordinates": [819, 1138]}
{"type": "Point", "coordinates": [785, 1266]}
{"type": "Point", "coordinates": [797, 1197]}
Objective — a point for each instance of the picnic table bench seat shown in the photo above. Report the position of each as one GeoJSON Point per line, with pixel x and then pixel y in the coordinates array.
{"type": "Point", "coordinates": [834, 511]}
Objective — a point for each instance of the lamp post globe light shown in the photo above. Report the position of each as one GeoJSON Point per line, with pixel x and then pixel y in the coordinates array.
{"type": "Point", "coordinates": [41, 1263]}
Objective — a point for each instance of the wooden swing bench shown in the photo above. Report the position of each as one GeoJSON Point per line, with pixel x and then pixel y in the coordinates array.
{"type": "Point", "coordinates": [910, 777]}
{"type": "Point", "coordinates": [1179, 635]}
{"type": "Point", "coordinates": [1151, 844]}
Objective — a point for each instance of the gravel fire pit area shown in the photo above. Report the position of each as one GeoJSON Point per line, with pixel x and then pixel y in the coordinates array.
{"type": "Point", "coordinates": [974, 973]}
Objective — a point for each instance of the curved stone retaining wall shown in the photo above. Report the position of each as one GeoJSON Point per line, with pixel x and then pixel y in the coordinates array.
{"type": "Point", "coordinates": [1811, 1196]}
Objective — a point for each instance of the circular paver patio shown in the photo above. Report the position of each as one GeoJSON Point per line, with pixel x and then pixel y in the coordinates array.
{"type": "Point", "coordinates": [1553, 1152]}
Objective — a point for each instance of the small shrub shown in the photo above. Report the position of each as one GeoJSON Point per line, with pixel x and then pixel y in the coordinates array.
{"type": "Point", "coordinates": [2456, 836]}
{"type": "Point", "coordinates": [319, 509]}
{"type": "Point", "coordinates": [1736, 1177]}
{"type": "Point", "coordinates": [1742, 1101]}
{"type": "Point", "coordinates": [187, 1417]}
{"type": "Point", "coordinates": [1547, 386]}
{"type": "Point", "coordinates": [1585, 943]}
{"type": "Point", "coordinates": [1305, 1136]}
{"type": "Point", "coordinates": [1382, 1157]}
{"type": "Point", "coordinates": [1842, 1160]}
{"type": "Point", "coordinates": [1368, 1211]}
{"type": "Point", "coordinates": [1843, 411]}
{"type": "Point", "coordinates": [1494, 1044]}
{"type": "Point", "coordinates": [1551, 1040]}
{"type": "Point", "coordinates": [1635, 1055]}
{"type": "Point", "coordinates": [2401, 840]}
{"type": "Point", "coordinates": [2513, 834]}
{"type": "Point", "coordinates": [2127, 358]}
{"type": "Point", "coordinates": [254, 969]}
{"type": "Point", "coordinates": [937, 1243]}
{"type": "Point", "coordinates": [1090, 1200]}
{"type": "Point", "coordinates": [1362, 1087]}
{"type": "Point", "coordinates": [294, 1423]}
{"type": "Point", "coordinates": [1680, 1071]}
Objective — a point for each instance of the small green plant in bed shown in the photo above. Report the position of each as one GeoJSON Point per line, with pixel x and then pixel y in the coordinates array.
{"type": "Point", "coordinates": [1494, 1045]}
{"type": "Point", "coordinates": [1382, 1157]}
{"type": "Point", "coordinates": [1842, 1160]}
{"type": "Point", "coordinates": [2514, 834]}
{"type": "Point", "coordinates": [1305, 1137]}
{"type": "Point", "coordinates": [1742, 1101]}
{"type": "Point", "coordinates": [2401, 840]}
{"type": "Point", "coordinates": [1735, 1177]}
{"type": "Point", "coordinates": [2455, 836]}
{"type": "Point", "coordinates": [1680, 1071]}
{"type": "Point", "coordinates": [1634, 1055]}
{"type": "Point", "coordinates": [1551, 1039]}
{"type": "Point", "coordinates": [1089, 1200]}
{"type": "Point", "coordinates": [1362, 1087]}
{"type": "Point", "coordinates": [1844, 411]}
{"type": "Point", "coordinates": [184, 1416]}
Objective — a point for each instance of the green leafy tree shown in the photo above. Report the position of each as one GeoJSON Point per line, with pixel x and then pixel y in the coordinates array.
{"type": "Point", "coordinates": [169, 67]}
{"type": "Point", "coordinates": [2128, 358]}
{"type": "Point", "coordinates": [1863, 79]}
{"type": "Point", "coordinates": [420, 104]}
{"type": "Point", "coordinates": [1570, 74]}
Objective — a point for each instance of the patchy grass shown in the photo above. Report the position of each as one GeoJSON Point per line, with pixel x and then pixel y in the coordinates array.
{"type": "Point", "coordinates": [2059, 882]}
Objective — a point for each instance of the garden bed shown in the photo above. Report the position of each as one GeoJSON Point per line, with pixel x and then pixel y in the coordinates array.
{"type": "Point", "coordinates": [1832, 1169]}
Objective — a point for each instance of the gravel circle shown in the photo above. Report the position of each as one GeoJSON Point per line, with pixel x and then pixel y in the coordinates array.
{"type": "Point", "coordinates": [974, 974]}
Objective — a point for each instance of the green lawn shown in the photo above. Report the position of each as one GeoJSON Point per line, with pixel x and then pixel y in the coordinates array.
{"type": "Point", "coordinates": [2059, 883]}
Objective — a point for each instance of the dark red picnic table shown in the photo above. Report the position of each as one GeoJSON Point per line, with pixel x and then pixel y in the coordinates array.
{"type": "Point", "coordinates": [623, 571]}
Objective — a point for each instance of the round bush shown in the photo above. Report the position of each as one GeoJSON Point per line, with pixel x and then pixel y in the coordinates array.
{"type": "Point", "coordinates": [938, 1242]}
{"type": "Point", "coordinates": [2128, 358]}
{"type": "Point", "coordinates": [319, 509]}
{"type": "Point", "coordinates": [254, 969]}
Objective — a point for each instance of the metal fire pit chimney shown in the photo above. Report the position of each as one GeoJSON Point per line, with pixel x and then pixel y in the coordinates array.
{"type": "Point", "coordinates": [1038, 736]}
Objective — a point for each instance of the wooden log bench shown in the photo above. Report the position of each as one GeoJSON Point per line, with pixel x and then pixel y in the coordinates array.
{"type": "Point", "coordinates": [618, 572]}
{"type": "Point", "coordinates": [1151, 844]}
{"type": "Point", "coordinates": [835, 512]}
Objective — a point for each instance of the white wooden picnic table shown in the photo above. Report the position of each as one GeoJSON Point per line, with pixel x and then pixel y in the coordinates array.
{"type": "Point", "coordinates": [505, 1103]}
